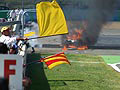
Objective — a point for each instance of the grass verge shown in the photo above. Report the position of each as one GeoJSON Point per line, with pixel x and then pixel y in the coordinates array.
{"type": "Point", "coordinates": [77, 76]}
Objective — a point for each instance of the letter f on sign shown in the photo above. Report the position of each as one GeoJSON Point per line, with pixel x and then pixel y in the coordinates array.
{"type": "Point", "coordinates": [7, 71]}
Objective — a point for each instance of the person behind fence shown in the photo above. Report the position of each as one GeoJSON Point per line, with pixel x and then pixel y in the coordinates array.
{"type": "Point", "coordinates": [12, 15]}
{"type": "Point", "coordinates": [8, 40]}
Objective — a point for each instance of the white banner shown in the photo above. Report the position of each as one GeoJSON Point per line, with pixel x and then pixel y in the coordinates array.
{"type": "Point", "coordinates": [11, 67]}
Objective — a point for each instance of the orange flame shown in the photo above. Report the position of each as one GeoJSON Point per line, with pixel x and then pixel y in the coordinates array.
{"type": "Point", "coordinates": [72, 46]}
{"type": "Point", "coordinates": [64, 48]}
{"type": "Point", "coordinates": [82, 48]}
{"type": "Point", "coordinates": [76, 35]}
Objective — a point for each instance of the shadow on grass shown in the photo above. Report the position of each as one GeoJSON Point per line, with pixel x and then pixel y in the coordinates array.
{"type": "Point", "coordinates": [37, 74]}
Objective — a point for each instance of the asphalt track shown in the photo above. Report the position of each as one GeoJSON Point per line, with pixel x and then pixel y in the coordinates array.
{"type": "Point", "coordinates": [107, 38]}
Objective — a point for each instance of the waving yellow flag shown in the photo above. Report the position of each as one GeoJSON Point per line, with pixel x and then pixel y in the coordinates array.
{"type": "Point", "coordinates": [50, 18]}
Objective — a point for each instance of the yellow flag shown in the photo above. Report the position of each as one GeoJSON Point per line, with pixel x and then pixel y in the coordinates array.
{"type": "Point", "coordinates": [50, 18]}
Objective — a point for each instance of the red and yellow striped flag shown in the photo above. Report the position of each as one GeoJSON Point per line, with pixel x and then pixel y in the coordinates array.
{"type": "Point", "coordinates": [54, 60]}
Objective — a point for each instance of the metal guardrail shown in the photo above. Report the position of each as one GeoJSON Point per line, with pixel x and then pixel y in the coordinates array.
{"type": "Point", "coordinates": [23, 18]}
{"type": "Point", "coordinates": [10, 23]}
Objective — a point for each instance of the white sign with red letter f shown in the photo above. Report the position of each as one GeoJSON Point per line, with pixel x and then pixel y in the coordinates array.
{"type": "Point", "coordinates": [11, 67]}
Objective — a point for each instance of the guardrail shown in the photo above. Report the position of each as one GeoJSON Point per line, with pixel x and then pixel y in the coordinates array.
{"type": "Point", "coordinates": [10, 23]}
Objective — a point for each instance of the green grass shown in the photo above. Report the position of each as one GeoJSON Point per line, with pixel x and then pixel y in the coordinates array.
{"type": "Point", "coordinates": [77, 76]}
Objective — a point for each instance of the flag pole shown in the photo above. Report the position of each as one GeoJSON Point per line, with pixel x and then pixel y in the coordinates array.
{"type": "Point", "coordinates": [45, 36]}
{"type": "Point", "coordinates": [35, 38]}
{"type": "Point", "coordinates": [33, 62]}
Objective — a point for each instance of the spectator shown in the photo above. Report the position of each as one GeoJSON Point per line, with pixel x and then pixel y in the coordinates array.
{"type": "Point", "coordinates": [12, 15]}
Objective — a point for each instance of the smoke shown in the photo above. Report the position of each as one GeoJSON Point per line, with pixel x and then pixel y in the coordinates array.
{"type": "Point", "coordinates": [98, 14]}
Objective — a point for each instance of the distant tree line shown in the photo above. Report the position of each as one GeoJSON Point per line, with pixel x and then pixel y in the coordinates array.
{"type": "Point", "coordinates": [31, 3]}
